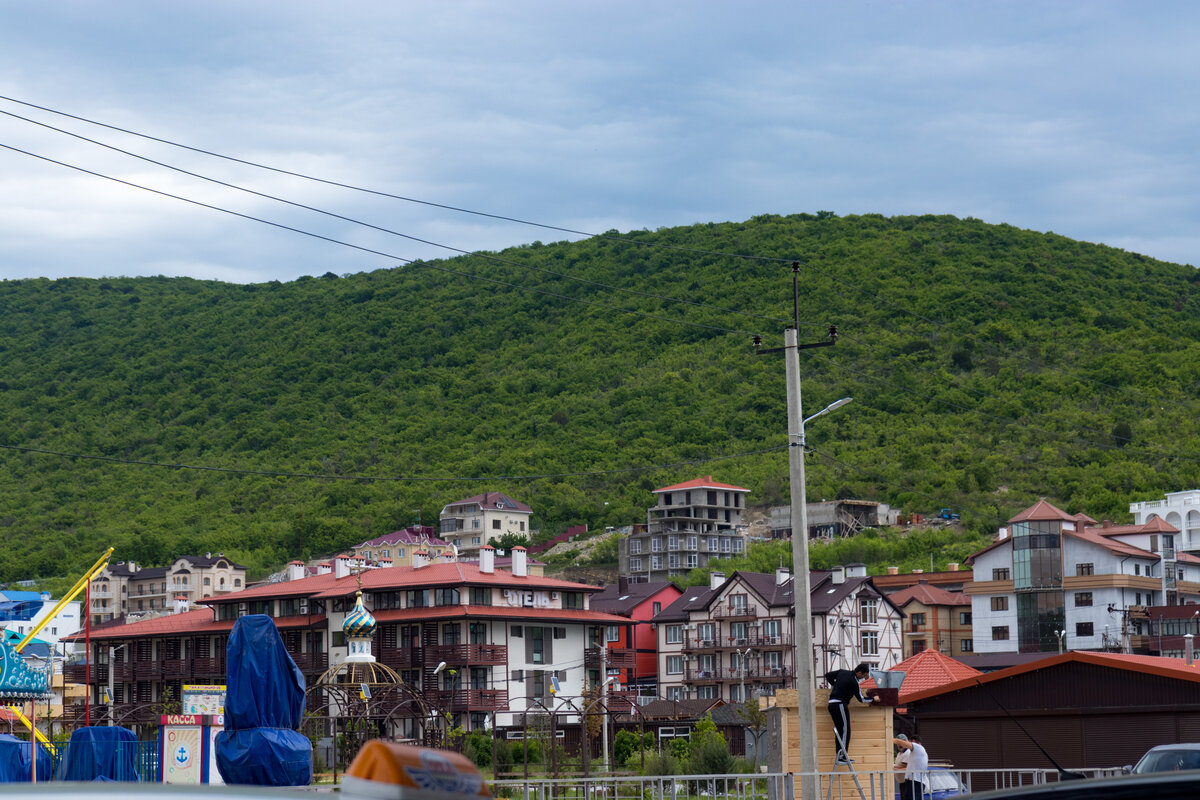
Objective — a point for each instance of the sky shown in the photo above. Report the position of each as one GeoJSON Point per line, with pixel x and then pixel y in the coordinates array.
{"type": "Point", "coordinates": [1073, 117]}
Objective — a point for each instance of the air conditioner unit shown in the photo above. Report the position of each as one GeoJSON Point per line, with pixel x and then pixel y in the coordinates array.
{"type": "Point", "coordinates": [740, 642]}
{"type": "Point", "coordinates": [554, 595]}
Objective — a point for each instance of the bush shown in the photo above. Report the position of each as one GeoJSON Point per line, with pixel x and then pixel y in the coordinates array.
{"type": "Point", "coordinates": [624, 743]}
{"type": "Point", "coordinates": [477, 746]}
{"type": "Point", "coordinates": [526, 753]}
{"type": "Point", "coordinates": [504, 758]}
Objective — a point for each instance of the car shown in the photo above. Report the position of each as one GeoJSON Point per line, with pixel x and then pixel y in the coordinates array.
{"type": "Point", "coordinates": [942, 783]}
{"type": "Point", "coordinates": [1169, 758]}
{"type": "Point", "coordinates": [1146, 786]}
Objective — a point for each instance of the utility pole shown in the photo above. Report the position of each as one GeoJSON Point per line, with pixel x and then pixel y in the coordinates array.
{"type": "Point", "coordinates": [604, 681]}
{"type": "Point", "coordinates": [806, 730]}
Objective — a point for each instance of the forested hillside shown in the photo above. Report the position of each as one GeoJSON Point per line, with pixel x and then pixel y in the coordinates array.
{"type": "Point", "coordinates": [989, 366]}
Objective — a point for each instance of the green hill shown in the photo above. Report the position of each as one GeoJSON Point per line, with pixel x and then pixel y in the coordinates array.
{"type": "Point", "coordinates": [989, 366]}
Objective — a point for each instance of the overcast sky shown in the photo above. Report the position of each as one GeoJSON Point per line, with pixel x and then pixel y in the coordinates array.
{"type": "Point", "coordinates": [1072, 117]}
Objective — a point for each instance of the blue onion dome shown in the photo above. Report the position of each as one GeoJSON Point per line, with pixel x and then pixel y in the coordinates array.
{"type": "Point", "coordinates": [359, 621]}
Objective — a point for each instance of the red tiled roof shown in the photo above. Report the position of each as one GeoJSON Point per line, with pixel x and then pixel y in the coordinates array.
{"type": "Point", "coordinates": [492, 501]}
{"type": "Point", "coordinates": [492, 612]}
{"type": "Point", "coordinates": [1111, 545]}
{"type": "Point", "coordinates": [1041, 510]}
{"type": "Point", "coordinates": [929, 595]}
{"type": "Point", "coordinates": [926, 671]}
{"type": "Point", "coordinates": [189, 622]}
{"type": "Point", "coordinates": [1148, 665]}
{"type": "Point", "coordinates": [706, 482]}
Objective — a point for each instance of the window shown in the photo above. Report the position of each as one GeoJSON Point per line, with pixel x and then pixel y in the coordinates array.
{"type": "Point", "coordinates": [417, 598]}
{"type": "Point", "coordinates": [656, 544]}
{"type": "Point", "coordinates": [868, 610]}
{"type": "Point", "coordinates": [707, 631]}
{"type": "Point", "coordinates": [691, 543]}
{"type": "Point", "coordinates": [522, 528]}
{"type": "Point", "coordinates": [560, 633]}
{"type": "Point", "coordinates": [772, 631]}
{"type": "Point", "coordinates": [1083, 598]}
{"type": "Point", "coordinates": [573, 599]}
{"type": "Point", "coordinates": [635, 547]}
{"type": "Point", "coordinates": [704, 693]}
{"type": "Point", "coordinates": [537, 645]}
{"type": "Point", "coordinates": [967, 645]}
{"type": "Point", "coordinates": [673, 561]}
{"type": "Point", "coordinates": [674, 634]}
{"type": "Point", "coordinates": [657, 608]}
{"type": "Point", "coordinates": [964, 618]}
{"type": "Point", "coordinates": [635, 565]}
{"type": "Point", "coordinates": [869, 643]}
{"type": "Point", "coordinates": [693, 561]}
{"type": "Point", "coordinates": [999, 604]}
{"type": "Point", "coordinates": [674, 665]}
{"type": "Point", "coordinates": [656, 562]}
{"type": "Point", "coordinates": [517, 631]}
{"type": "Point", "coordinates": [918, 620]}
{"type": "Point", "coordinates": [918, 646]}
{"type": "Point", "coordinates": [1083, 629]}
{"type": "Point", "coordinates": [1085, 569]}
{"type": "Point", "coordinates": [1000, 633]}
{"type": "Point", "coordinates": [445, 597]}
{"type": "Point", "coordinates": [495, 524]}
{"type": "Point", "coordinates": [236, 582]}
{"type": "Point", "coordinates": [1000, 574]}
{"type": "Point", "coordinates": [481, 596]}
{"type": "Point", "coordinates": [612, 633]}
{"type": "Point", "coordinates": [674, 692]}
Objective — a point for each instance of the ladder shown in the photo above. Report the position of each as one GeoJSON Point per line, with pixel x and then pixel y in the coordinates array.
{"type": "Point", "coordinates": [848, 764]}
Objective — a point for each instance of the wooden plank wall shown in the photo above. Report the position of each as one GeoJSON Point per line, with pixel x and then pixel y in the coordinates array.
{"type": "Point", "coordinates": [870, 741]}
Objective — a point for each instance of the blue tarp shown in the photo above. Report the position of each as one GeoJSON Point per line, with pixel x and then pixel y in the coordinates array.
{"type": "Point", "coordinates": [264, 705]}
{"type": "Point", "coordinates": [14, 760]}
{"type": "Point", "coordinates": [100, 754]}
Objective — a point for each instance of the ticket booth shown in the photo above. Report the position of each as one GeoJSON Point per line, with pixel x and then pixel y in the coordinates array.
{"type": "Point", "coordinates": [185, 745]}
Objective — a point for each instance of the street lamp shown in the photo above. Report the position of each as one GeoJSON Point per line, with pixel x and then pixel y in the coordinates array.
{"type": "Point", "coordinates": [1061, 636]}
{"type": "Point", "coordinates": [742, 656]}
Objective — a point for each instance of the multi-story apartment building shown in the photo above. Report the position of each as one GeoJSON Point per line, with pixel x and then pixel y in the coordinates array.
{"type": "Point", "coordinates": [736, 637]}
{"type": "Point", "coordinates": [1058, 581]}
{"type": "Point", "coordinates": [633, 650]}
{"type": "Point", "coordinates": [1180, 510]}
{"type": "Point", "coordinates": [471, 523]}
{"type": "Point", "coordinates": [691, 523]}
{"type": "Point", "coordinates": [125, 588]}
{"type": "Point", "coordinates": [505, 637]}
{"type": "Point", "coordinates": [935, 619]}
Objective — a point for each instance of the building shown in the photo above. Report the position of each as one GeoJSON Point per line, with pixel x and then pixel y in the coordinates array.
{"type": "Point", "coordinates": [1180, 510]}
{"type": "Point", "coordinates": [505, 638]}
{"type": "Point", "coordinates": [1088, 710]}
{"type": "Point", "coordinates": [927, 670]}
{"type": "Point", "coordinates": [397, 547]}
{"type": "Point", "coordinates": [471, 523]}
{"type": "Point", "coordinates": [1053, 581]}
{"type": "Point", "coordinates": [853, 622]}
{"type": "Point", "coordinates": [21, 612]}
{"type": "Point", "coordinates": [633, 650]}
{"type": "Point", "coordinates": [833, 518]}
{"type": "Point", "coordinates": [935, 619]}
{"type": "Point", "coordinates": [736, 637]}
{"type": "Point", "coordinates": [952, 579]}
{"type": "Point", "coordinates": [691, 523]}
{"type": "Point", "coordinates": [124, 588]}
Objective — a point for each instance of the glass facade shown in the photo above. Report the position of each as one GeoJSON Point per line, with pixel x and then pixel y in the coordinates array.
{"type": "Point", "coordinates": [1037, 580]}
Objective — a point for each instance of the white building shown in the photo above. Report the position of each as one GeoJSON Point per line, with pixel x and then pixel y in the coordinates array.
{"type": "Point", "coordinates": [27, 610]}
{"type": "Point", "coordinates": [475, 521]}
{"type": "Point", "coordinates": [1053, 580]}
{"type": "Point", "coordinates": [1181, 510]}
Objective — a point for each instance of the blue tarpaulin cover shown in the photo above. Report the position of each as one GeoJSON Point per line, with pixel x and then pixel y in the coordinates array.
{"type": "Point", "coordinates": [100, 754]}
{"type": "Point", "coordinates": [14, 760]}
{"type": "Point", "coordinates": [264, 705]}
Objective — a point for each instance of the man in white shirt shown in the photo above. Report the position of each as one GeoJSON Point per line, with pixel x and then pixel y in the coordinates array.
{"type": "Point", "coordinates": [915, 770]}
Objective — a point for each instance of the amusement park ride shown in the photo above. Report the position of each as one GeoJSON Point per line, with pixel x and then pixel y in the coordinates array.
{"type": "Point", "coordinates": [21, 682]}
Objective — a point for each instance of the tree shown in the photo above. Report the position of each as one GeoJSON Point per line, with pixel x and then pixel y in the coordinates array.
{"type": "Point", "coordinates": [754, 717]}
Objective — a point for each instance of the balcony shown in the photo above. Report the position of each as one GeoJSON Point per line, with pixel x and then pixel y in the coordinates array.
{"type": "Point", "coordinates": [208, 667]}
{"type": "Point", "coordinates": [693, 642]}
{"type": "Point", "coordinates": [78, 673]}
{"type": "Point", "coordinates": [474, 655]}
{"type": "Point", "coordinates": [310, 663]}
{"type": "Point", "coordinates": [696, 675]}
{"type": "Point", "coordinates": [467, 700]}
{"type": "Point", "coordinates": [748, 611]}
{"type": "Point", "coordinates": [176, 668]}
{"type": "Point", "coordinates": [616, 658]}
{"type": "Point", "coordinates": [402, 657]}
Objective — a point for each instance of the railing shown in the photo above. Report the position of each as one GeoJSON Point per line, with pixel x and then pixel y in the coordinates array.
{"type": "Point", "coordinates": [311, 662]}
{"type": "Point", "coordinates": [735, 674]}
{"type": "Point", "coordinates": [616, 658]}
{"type": "Point", "coordinates": [466, 654]}
{"type": "Point", "coordinates": [208, 667]}
{"type": "Point", "coordinates": [402, 657]}
{"type": "Point", "coordinates": [735, 612]}
{"type": "Point", "coordinates": [469, 700]}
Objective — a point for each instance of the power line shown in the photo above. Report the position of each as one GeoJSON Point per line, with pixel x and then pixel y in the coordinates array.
{"type": "Point", "coordinates": [389, 231]}
{"type": "Point", "coordinates": [387, 478]}
{"type": "Point", "coordinates": [351, 187]}
{"type": "Point", "coordinates": [427, 264]}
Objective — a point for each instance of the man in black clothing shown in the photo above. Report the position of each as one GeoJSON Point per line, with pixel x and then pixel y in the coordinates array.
{"type": "Point", "coordinates": [843, 685]}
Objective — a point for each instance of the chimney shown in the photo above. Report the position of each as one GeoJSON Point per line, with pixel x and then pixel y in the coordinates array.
{"type": "Point", "coordinates": [132, 567]}
{"type": "Point", "coordinates": [341, 566]}
{"type": "Point", "coordinates": [324, 568]}
{"type": "Point", "coordinates": [893, 570]}
{"type": "Point", "coordinates": [420, 558]}
{"type": "Point", "coordinates": [487, 559]}
{"type": "Point", "coordinates": [838, 575]}
{"type": "Point", "coordinates": [1187, 647]}
{"type": "Point", "coordinates": [520, 562]}
{"type": "Point", "coordinates": [856, 571]}
{"type": "Point", "coordinates": [447, 556]}
{"type": "Point", "coordinates": [918, 572]}
{"type": "Point", "coordinates": [782, 575]}
{"type": "Point", "coordinates": [623, 585]}
{"type": "Point", "coordinates": [952, 566]}
{"type": "Point", "coordinates": [181, 604]}
{"type": "Point", "coordinates": [716, 580]}
{"type": "Point", "coordinates": [208, 555]}
{"type": "Point", "coordinates": [295, 570]}
{"type": "Point", "coordinates": [1003, 534]}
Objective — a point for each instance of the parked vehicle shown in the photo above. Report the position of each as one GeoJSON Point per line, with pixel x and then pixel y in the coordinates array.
{"type": "Point", "coordinates": [1169, 758]}
{"type": "Point", "coordinates": [942, 783]}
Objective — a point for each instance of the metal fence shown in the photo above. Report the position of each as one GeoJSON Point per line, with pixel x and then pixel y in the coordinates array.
{"type": "Point", "coordinates": [144, 756]}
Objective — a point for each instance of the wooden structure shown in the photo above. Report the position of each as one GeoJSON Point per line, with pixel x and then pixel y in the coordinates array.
{"type": "Point", "coordinates": [870, 741]}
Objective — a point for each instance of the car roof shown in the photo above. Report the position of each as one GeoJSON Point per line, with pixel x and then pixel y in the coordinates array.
{"type": "Point", "coordinates": [1183, 785]}
{"type": "Point", "coordinates": [1180, 746]}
